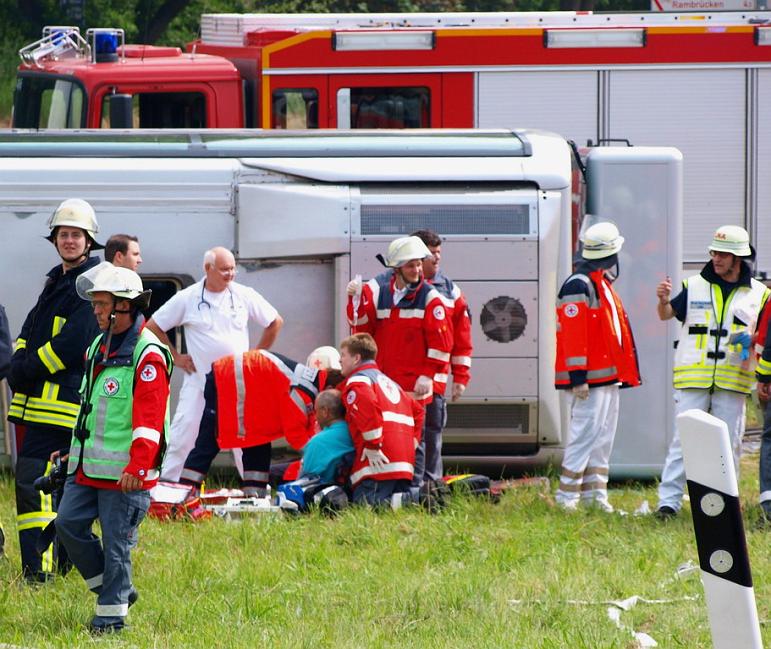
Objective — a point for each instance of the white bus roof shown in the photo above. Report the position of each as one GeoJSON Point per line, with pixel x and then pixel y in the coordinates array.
{"type": "Point", "coordinates": [470, 155]}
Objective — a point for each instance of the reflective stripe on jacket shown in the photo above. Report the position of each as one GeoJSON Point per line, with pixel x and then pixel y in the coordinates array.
{"type": "Point", "coordinates": [381, 415]}
{"type": "Point", "coordinates": [414, 337]}
{"type": "Point", "coordinates": [262, 396]}
{"type": "Point", "coordinates": [593, 334]}
{"type": "Point", "coordinates": [108, 403]}
{"type": "Point", "coordinates": [704, 357]}
{"type": "Point", "coordinates": [49, 351]}
{"type": "Point", "coordinates": [458, 313]}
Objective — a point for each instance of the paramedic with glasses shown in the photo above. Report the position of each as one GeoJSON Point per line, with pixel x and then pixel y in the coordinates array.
{"type": "Point", "coordinates": [215, 313]}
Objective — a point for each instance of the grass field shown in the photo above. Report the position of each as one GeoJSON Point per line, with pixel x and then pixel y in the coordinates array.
{"type": "Point", "coordinates": [477, 575]}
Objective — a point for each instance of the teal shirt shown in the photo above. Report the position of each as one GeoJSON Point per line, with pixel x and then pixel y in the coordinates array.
{"type": "Point", "coordinates": [325, 450]}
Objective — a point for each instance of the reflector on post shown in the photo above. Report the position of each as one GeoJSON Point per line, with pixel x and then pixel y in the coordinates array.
{"type": "Point", "coordinates": [382, 41]}
{"type": "Point", "coordinates": [582, 38]}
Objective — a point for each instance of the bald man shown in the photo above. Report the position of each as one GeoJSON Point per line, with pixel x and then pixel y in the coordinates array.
{"type": "Point", "coordinates": [215, 313]}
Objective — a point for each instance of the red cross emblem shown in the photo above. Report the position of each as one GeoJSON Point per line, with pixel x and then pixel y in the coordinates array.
{"type": "Point", "coordinates": [111, 386]}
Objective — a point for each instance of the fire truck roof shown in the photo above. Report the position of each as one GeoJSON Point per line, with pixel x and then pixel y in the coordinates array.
{"type": "Point", "coordinates": [180, 66]}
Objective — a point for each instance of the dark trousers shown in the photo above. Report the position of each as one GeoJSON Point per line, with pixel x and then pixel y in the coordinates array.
{"type": "Point", "coordinates": [34, 509]}
{"type": "Point", "coordinates": [379, 493]}
{"type": "Point", "coordinates": [765, 461]}
{"type": "Point", "coordinates": [428, 454]}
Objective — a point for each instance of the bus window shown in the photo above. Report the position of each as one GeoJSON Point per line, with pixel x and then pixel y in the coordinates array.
{"type": "Point", "coordinates": [163, 110]}
{"type": "Point", "coordinates": [295, 108]}
{"type": "Point", "coordinates": [390, 108]}
{"type": "Point", "coordinates": [163, 290]}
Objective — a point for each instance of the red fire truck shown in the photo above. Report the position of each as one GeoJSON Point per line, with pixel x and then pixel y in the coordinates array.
{"type": "Point", "coordinates": [700, 82]}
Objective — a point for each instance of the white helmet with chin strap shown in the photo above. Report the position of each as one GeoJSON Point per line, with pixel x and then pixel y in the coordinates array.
{"type": "Point", "coordinates": [601, 240]}
{"type": "Point", "coordinates": [122, 283]}
{"type": "Point", "coordinates": [404, 250]}
{"type": "Point", "coordinates": [76, 213]}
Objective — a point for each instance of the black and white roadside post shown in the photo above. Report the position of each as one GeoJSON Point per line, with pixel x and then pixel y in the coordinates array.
{"type": "Point", "coordinates": [717, 524]}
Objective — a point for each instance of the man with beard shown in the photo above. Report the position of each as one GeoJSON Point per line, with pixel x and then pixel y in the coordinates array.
{"type": "Point", "coordinates": [719, 309]}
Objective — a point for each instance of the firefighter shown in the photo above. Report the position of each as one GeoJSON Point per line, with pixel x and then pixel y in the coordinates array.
{"type": "Point", "coordinates": [45, 374]}
{"type": "Point", "coordinates": [115, 454]}
{"type": "Point", "coordinates": [250, 400]}
{"type": "Point", "coordinates": [5, 364]}
{"type": "Point", "coordinates": [596, 355]}
{"type": "Point", "coordinates": [719, 309]}
{"type": "Point", "coordinates": [407, 318]}
{"type": "Point", "coordinates": [428, 455]}
{"type": "Point", "coordinates": [385, 423]}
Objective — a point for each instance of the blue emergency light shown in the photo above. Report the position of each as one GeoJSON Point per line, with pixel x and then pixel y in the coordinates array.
{"type": "Point", "coordinates": [106, 46]}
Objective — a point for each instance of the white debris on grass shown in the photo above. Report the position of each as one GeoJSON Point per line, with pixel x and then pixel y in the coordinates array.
{"type": "Point", "coordinates": [616, 606]}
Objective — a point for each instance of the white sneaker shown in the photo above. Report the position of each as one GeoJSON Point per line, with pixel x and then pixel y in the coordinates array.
{"type": "Point", "coordinates": [603, 506]}
{"type": "Point", "coordinates": [568, 505]}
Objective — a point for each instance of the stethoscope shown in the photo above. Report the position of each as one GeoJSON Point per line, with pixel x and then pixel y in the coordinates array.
{"type": "Point", "coordinates": [204, 302]}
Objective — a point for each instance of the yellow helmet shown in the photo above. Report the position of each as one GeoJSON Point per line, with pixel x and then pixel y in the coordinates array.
{"type": "Point", "coordinates": [76, 213]}
{"type": "Point", "coordinates": [733, 239]}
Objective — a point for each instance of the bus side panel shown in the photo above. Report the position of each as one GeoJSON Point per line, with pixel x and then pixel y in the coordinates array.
{"type": "Point", "coordinates": [619, 182]}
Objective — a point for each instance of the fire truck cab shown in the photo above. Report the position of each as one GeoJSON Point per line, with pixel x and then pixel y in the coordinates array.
{"type": "Point", "coordinates": [67, 81]}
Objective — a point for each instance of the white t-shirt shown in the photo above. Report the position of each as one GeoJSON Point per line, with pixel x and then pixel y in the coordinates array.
{"type": "Point", "coordinates": [216, 324]}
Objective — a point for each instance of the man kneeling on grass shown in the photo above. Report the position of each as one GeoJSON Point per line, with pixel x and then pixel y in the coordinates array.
{"type": "Point", "coordinates": [385, 423]}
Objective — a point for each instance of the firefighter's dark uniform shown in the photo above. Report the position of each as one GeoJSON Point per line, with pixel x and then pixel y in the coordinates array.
{"type": "Point", "coordinates": [45, 375]}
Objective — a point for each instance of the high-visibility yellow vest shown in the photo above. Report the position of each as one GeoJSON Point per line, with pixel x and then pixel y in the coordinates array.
{"type": "Point", "coordinates": [704, 357]}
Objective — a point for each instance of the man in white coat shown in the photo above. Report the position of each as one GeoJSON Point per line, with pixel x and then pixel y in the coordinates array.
{"type": "Point", "coordinates": [215, 313]}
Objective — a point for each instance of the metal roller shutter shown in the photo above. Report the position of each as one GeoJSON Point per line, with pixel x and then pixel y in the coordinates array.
{"type": "Point", "coordinates": [702, 113]}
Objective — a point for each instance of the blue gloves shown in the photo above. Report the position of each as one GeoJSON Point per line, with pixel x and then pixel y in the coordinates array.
{"type": "Point", "coordinates": [745, 340]}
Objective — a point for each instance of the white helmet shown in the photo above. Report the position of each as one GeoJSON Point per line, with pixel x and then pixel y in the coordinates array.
{"type": "Point", "coordinates": [324, 358]}
{"type": "Point", "coordinates": [404, 250]}
{"type": "Point", "coordinates": [601, 240]}
{"type": "Point", "coordinates": [76, 213]}
{"type": "Point", "coordinates": [733, 239]}
{"type": "Point", "coordinates": [120, 282]}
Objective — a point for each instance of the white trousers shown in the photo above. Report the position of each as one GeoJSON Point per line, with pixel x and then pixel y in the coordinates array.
{"type": "Point", "coordinates": [590, 441]}
{"type": "Point", "coordinates": [184, 429]}
{"type": "Point", "coordinates": [723, 404]}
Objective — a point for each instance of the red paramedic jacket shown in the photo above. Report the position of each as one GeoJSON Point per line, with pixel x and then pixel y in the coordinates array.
{"type": "Point", "coordinates": [262, 396]}
{"type": "Point", "coordinates": [414, 337]}
{"type": "Point", "coordinates": [381, 415]}
{"type": "Point", "coordinates": [458, 312]}
{"type": "Point", "coordinates": [588, 350]}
